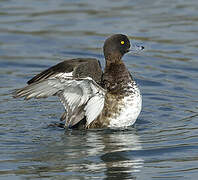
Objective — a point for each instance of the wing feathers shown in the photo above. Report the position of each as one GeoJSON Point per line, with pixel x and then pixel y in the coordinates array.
{"type": "Point", "coordinates": [94, 108]}
{"type": "Point", "coordinates": [81, 97]}
{"type": "Point", "coordinates": [41, 89]}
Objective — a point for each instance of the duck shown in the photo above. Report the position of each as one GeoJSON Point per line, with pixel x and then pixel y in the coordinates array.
{"type": "Point", "coordinates": [92, 98]}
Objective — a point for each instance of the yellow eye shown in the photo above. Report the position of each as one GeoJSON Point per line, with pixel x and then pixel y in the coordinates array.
{"type": "Point", "coordinates": [122, 42]}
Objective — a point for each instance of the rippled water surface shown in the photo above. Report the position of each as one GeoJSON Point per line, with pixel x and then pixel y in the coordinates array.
{"type": "Point", "coordinates": [163, 143]}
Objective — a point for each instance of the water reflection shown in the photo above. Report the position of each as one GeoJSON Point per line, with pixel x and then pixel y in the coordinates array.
{"type": "Point", "coordinates": [93, 152]}
{"type": "Point", "coordinates": [118, 161]}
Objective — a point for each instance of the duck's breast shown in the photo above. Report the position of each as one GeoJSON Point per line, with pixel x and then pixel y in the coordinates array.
{"type": "Point", "coordinates": [129, 108]}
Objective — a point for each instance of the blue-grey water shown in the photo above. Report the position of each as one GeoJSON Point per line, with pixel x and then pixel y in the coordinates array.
{"type": "Point", "coordinates": [163, 143]}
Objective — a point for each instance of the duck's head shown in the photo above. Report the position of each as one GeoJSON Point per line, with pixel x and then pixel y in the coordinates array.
{"type": "Point", "coordinates": [116, 46]}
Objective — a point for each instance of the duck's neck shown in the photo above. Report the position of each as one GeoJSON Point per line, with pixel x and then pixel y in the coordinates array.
{"type": "Point", "coordinates": [115, 58]}
{"type": "Point", "coordinates": [116, 76]}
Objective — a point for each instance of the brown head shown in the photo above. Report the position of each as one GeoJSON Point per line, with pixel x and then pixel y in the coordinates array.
{"type": "Point", "coordinates": [115, 47]}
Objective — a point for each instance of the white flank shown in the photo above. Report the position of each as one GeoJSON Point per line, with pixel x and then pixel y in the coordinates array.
{"type": "Point", "coordinates": [130, 110]}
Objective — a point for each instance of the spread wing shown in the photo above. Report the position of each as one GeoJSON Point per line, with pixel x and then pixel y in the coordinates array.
{"type": "Point", "coordinates": [80, 96]}
{"type": "Point", "coordinates": [80, 67]}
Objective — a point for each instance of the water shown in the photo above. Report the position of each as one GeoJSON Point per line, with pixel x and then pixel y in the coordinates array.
{"type": "Point", "coordinates": [163, 143]}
